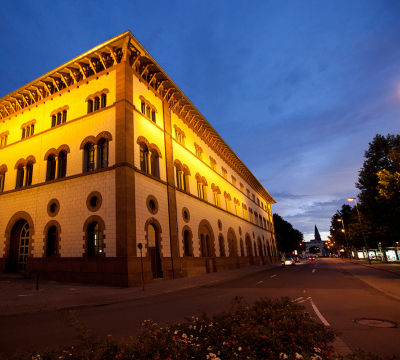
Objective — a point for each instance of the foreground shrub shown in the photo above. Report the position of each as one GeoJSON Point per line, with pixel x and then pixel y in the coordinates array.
{"type": "Point", "coordinates": [268, 329]}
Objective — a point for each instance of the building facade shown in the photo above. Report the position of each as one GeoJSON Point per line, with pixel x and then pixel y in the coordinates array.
{"type": "Point", "coordinates": [105, 153]}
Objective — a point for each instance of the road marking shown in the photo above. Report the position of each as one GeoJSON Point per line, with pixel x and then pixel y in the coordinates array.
{"type": "Point", "coordinates": [313, 271]}
{"type": "Point", "coordinates": [299, 302]}
{"type": "Point", "coordinates": [26, 295]}
{"type": "Point", "coordinates": [259, 282]}
{"type": "Point", "coordinates": [298, 299]}
{"type": "Point", "coordinates": [319, 314]}
{"type": "Point", "coordinates": [273, 276]}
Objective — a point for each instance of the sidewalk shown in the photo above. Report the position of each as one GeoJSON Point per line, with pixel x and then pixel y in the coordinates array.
{"type": "Point", "coordinates": [19, 295]}
{"type": "Point", "coordinates": [390, 267]}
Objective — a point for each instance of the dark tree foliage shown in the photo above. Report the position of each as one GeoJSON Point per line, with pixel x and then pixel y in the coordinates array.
{"type": "Point", "coordinates": [379, 217]}
{"type": "Point", "coordinates": [288, 238]}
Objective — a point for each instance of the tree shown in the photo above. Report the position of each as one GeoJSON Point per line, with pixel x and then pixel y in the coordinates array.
{"type": "Point", "coordinates": [378, 197]}
{"type": "Point", "coordinates": [288, 238]}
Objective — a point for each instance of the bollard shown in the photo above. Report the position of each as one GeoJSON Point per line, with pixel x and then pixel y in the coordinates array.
{"type": "Point", "coordinates": [37, 282]}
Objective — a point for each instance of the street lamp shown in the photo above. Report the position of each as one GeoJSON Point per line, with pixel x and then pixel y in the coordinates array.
{"type": "Point", "coordinates": [345, 238]}
{"type": "Point", "coordinates": [359, 219]}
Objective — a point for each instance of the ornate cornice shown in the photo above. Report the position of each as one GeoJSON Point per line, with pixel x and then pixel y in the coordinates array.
{"type": "Point", "coordinates": [126, 48]}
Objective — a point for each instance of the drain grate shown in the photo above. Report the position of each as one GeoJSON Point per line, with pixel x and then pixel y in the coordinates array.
{"type": "Point", "coordinates": [376, 323]}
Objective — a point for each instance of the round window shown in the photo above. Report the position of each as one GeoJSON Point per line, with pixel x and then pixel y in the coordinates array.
{"type": "Point", "coordinates": [186, 215]}
{"type": "Point", "coordinates": [152, 204]}
{"type": "Point", "coordinates": [94, 201]}
{"type": "Point", "coordinates": [53, 208]}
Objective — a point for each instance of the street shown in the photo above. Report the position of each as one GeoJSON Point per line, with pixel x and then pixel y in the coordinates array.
{"type": "Point", "coordinates": [327, 289]}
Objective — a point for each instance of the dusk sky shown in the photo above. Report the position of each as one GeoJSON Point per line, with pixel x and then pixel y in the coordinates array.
{"type": "Point", "coordinates": [297, 88]}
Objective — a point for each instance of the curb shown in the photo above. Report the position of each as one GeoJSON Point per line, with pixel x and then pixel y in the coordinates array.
{"type": "Point", "coordinates": [118, 301]}
{"type": "Point", "coordinates": [376, 267]}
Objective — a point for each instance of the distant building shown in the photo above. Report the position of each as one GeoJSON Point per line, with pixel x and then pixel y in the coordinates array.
{"type": "Point", "coordinates": [316, 242]}
{"type": "Point", "coordinates": [104, 154]}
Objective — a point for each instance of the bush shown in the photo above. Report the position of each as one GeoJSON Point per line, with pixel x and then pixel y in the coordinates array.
{"type": "Point", "coordinates": [269, 329]}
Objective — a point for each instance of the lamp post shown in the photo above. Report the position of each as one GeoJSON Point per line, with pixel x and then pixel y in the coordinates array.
{"type": "Point", "coordinates": [359, 219]}
{"type": "Point", "coordinates": [345, 238]}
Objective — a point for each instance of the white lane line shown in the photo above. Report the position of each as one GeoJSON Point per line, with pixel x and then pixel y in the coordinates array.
{"type": "Point", "coordinates": [259, 282]}
{"type": "Point", "coordinates": [299, 302]}
{"type": "Point", "coordinates": [298, 299]}
{"type": "Point", "coordinates": [26, 295]}
{"type": "Point", "coordinates": [313, 271]}
{"type": "Point", "coordinates": [319, 314]}
{"type": "Point", "coordinates": [273, 276]}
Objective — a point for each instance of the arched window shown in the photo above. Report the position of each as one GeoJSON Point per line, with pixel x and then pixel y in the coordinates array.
{"type": "Point", "coordinates": [154, 164]}
{"type": "Point", "coordinates": [2, 177]}
{"type": "Point", "coordinates": [62, 164]}
{"type": "Point", "coordinates": [186, 243]}
{"type": "Point", "coordinates": [241, 247]}
{"type": "Point", "coordinates": [29, 173]}
{"type": "Point", "coordinates": [255, 248]}
{"type": "Point", "coordinates": [23, 247]}
{"type": "Point", "coordinates": [95, 239]}
{"type": "Point", "coordinates": [89, 106]}
{"type": "Point", "coordinates": [221, 246]}
{"type": "Point", "coordinates": [260, 251]}
{"type": "Point", "coordinates": [103, 100]}
{"type": "Point", "coordinates": [144, 157]}
{"type": "Point", "coordinates": [52, 241]}
{"type": "Point", "coordinates": [88, 152]}
{"type": "Point", "coordinates": [51, 168]}
{"type": "Point", "coordinates": [154, 252]}
{"type": "Point", "coordinates": [96, 103]}
{"type": "Point", "coordinates": [20, 176]}
{"type": "Point", "coordinates": [103, 153]}
{"type": "Point", "coordinates": [59, 118]}
{"type": "Point", "coordinates": [180, 177]}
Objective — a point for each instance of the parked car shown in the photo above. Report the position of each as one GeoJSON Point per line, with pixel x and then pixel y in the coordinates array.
{"type": "Point", "coordinates": [311, 258]}
{"type": "Point", "coordinates": [289, 261]}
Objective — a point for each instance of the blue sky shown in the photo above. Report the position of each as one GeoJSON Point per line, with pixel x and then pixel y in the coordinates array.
{"type": "Point", "coordinates": [297, 88]}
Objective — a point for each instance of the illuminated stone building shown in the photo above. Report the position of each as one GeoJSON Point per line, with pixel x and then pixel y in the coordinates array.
{"type": "Point", "coordinates": [105, 152]}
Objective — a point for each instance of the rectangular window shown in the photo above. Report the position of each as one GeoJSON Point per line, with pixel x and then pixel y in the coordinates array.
{"type": "Point", "coordinates": [58, 118]}
{"type": "Point", "coordinates": [241, 187]}
{"type": "Point", "coordinates": [153, 116]}
{"type": "Point", "coordinates": [64, 118]}
{"type": "Point", "coordinates": [143, 108]}
{"type": "Point", "coordinates": [245, 213]}
{"type": "Point", "coordinates": [248, 192]}
{"type": "Point", "coordinates": [148, 111]}
{"type": "Point", "coordinates": [254, 198]}
{"type": "Point", "coordinates": [233, 181]}
{"type": "Point", "coordinates": [251, 216]}
{"type": "Point", "coordinates": [237, 210]}
{"type": "Point", "coordinates": [53, 121]}
{"type": "Point", "coordinates": [23, 133]}
{"type": "Point", "coordinates": [265, 223]}
{"type": "Point", "coordinates": [224, 173]}
{"type": "Point", "coordinates": [27, 131]}
{"type": "Point", "coordinates": [256, 218]}
{"type": "Point", "coordinates": [258, 201]}
{"type": "Point", "coordinates": [32, 129]}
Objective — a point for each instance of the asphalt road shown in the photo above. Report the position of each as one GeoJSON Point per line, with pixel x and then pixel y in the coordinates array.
{"type": "Point", "coordinates": [329, 293]}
